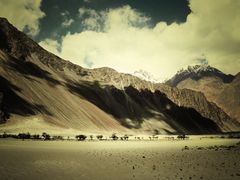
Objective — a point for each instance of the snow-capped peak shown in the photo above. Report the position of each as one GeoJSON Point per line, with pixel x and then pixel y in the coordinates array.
{"type": "Point", "coordinates": [197, 72]}
{"type": "Point", "coordinates": [144, 75]}
{"type": "Point", "coordinates": [196, 69]}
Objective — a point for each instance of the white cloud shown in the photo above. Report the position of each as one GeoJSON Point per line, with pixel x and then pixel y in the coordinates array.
{"type": "Point", "coordinates": [24, 14]}
{"type": "Point", "coordinates": [50, 45]}
{"type": "Point", "coordinates": [127, 43]}
{"type": "Point", "coordinates": [91, 19]}
{"type": "Point", "coordinates": [67, 22]}
{"type": "Point", "coordinates": [124, 18]}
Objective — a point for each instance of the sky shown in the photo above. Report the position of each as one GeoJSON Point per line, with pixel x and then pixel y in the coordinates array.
{"type": "Point", "coordinates": [157, 36]}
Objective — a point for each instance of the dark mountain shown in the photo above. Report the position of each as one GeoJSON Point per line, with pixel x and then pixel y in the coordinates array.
{"type": "Point", "coordinates": [2, 114]}
{"type": "Point", "coordinates": [218, 87]}
{"type": "Point", "coordinates": [198, 72]}
{"type": "Point", "coordinates": [42, 92]}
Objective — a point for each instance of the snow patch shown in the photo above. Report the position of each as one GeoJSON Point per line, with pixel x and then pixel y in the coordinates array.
{"type": "Point", "coordinates": [144, 75]}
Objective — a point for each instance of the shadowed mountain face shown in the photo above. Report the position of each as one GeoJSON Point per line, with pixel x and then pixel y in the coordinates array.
{"type": "Point", "coordinates": [36, 84]}
{"type": "Point", "coordinates": [2, 114]}
{"type": "Point", "coordinates": [141, 105]}
{"type": "Point", "coordinates": [218, 87]}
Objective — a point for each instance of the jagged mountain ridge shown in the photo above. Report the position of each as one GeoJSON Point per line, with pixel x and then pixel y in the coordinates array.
{"type": "Point", "coordinates": [218, 87]}
{"type": "Point", "coordinates": [38, 84]}
{"type": "Point", "coordinates": [197, 72]}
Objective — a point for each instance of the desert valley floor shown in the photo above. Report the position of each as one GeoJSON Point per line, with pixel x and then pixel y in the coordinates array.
{"type": "Point", "coordinates": [196, 158]}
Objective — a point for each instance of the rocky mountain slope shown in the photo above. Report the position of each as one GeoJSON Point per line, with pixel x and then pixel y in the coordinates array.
{"type": "Point", "coordinates": [198, 72]}
{"type": "Point", "coordinates": [218, 87]}
{"type": "Point", "coordinates": [47, 92]}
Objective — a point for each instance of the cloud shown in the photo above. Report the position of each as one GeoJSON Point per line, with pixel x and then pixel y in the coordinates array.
{"type": "Point", "coordinates": [124, 18]}
{"type": "Point", "coordinates": [87, 1]}
{"type": "Point", "coordinates": [88, 62]}
{"type": "Point", "coordinates": [127, 43]}
{"type": "Point", "coordinates": [67, 22]}
{"type": "Point", "coordinates": [24, 14]}
{"type": "Point", "coordinates": [51, 45]}
{"type": "Point", "coordinates": [91, 19]}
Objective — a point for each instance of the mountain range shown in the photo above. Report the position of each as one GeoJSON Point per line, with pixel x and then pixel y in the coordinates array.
{"type": "Point", "coordinates": [39, 92]}
{"type": "Point", "coordinates": [220, 88]}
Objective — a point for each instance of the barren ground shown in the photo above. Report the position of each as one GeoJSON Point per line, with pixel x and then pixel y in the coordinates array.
{"type": "Point", "coordinates": [144, 160]}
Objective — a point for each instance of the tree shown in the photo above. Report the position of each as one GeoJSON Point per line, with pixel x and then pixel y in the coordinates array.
{"type": "Point", "coordinates": [36, 136]}
{"type": "Point", "coordinates": [114, 137]}
{"type": "Point", "coordinates": [99, 137]}
{"type": "Point", "coordinates": [91, 137]}
{"type": "Point", "coordinates": [182, 136]}
{"type": "Point", "coordinates": [46, 136]}
{"type": "Point", "coordinates": [24, 136]}
{"type": "Point", "coordinates": [125, 137]}
{"type": "Point", "coordinates": [5, 135]}
{"type": "Point", "coordinates": [81, 137]}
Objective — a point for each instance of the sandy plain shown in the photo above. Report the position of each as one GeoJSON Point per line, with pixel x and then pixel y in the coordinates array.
{"type": "Point", "coordinates": [196, 158]}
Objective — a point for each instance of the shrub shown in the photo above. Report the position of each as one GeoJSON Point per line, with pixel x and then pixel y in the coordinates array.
{"type": "Point", "coordinates": [46, 136]}
{"type": "Point", "coordinates": [24, 136]}
{"type": "Point", "coordinates": [114, 137]}
{"type": "Point", "coordinates": [57, 138]}
{"type": "Point", "coordinates": [36, 136]}
{"type": "Point", "coordinates": [182, 136]}
{"type": "Point", "coordinates": [99, 137]}
{"type": "Point", "coordinates": [81, 137]}
{"type": "Point", "coordinates": [91, 137]}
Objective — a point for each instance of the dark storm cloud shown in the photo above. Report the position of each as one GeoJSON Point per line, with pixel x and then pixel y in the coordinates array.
{"type": "Point", "coordinates": [51, 25]}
